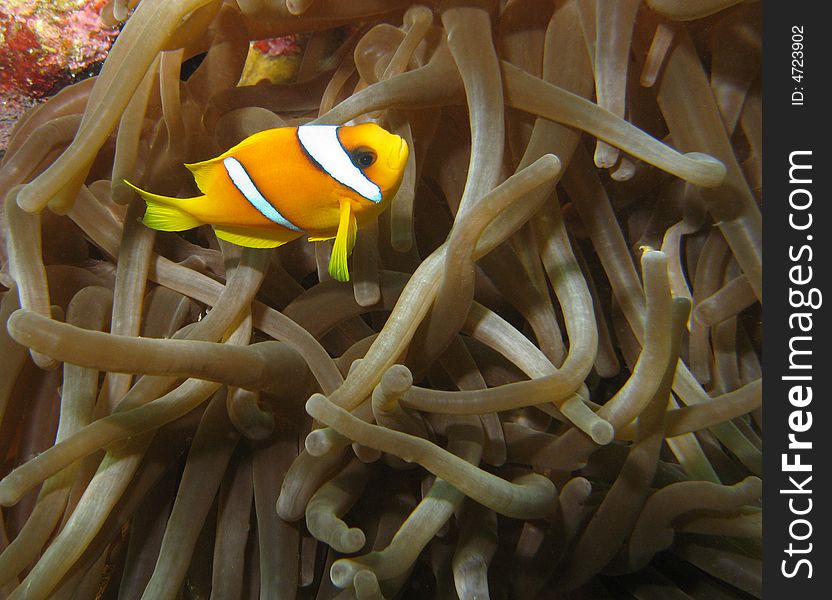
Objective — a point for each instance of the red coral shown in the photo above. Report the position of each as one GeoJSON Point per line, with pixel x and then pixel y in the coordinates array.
{"type": "Point", "coordinates": [19, 37]}
{"type": "Point", "coordinates": [44, 42]}
{"type": "Point", "coordinates": [278, 46]}
{"type": "Point", "coordinates": [19, 64]}
{"type": "Point", "coordinates": [43, 45]}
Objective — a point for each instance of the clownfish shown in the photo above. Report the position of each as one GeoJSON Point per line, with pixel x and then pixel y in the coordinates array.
{"type": "Point", "coordinates": [322, 181]}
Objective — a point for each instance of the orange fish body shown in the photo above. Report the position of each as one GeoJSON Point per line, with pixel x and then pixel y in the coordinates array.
{"type": "Point", "coordinates": [321, 181]}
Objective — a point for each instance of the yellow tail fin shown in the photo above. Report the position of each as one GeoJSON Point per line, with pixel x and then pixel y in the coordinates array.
{"type": "Point", "coordinates": [163, 214]}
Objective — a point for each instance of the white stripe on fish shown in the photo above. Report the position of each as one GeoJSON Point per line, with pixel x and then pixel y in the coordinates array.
{"type": "Point", "coordinates": [322, 144]}
{"type": "Point", "coordinates": [243, 182]}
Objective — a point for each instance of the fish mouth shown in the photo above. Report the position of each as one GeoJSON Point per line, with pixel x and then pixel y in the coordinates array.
{"type": "Point", "coordinates": [398, 156]}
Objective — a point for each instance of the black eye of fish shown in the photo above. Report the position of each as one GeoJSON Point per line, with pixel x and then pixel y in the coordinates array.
{"type": "Point", "coordinates": [363, 158]}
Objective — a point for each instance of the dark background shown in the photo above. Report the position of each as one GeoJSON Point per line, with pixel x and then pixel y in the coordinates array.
{"type": "Point", "coordinates": [788, 128]}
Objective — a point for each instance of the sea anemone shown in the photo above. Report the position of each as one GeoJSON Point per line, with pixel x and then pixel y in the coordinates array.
{"type": "Point", "coordinates": [543, 380]}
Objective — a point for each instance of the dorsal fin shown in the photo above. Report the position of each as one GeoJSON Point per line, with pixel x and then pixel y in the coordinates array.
{"type": "Point", "coordinates": [206, 171]}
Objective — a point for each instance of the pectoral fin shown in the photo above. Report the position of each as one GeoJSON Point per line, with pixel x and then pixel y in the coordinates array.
{"type": "Point", "coordinates": [344, 243]}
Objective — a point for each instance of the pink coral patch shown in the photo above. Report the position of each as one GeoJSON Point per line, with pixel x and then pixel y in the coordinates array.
{"type": "Point", "coordinates": [44, 46]}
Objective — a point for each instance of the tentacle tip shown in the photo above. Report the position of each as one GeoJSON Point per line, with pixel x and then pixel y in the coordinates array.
{"type": "Point", "coordinates": [651, 257]}
{"type": "Point", "coordinates": [317, 444]}
{"type": "Point", "coordinates": [14, 326]}
{"type": "Point", "coordinates": [581, 486]}
{"type": "Point", "coordinates": [314, 404]}
{"type": "Point", "coordinates": [397, 379]}
{"type": "Point", "coordinates": [47, 363]}
{"type": "Point", "coordinates": [27, 201]}
{"type": "Point", "coordinates": [552, 162]}
{"type": "Point", "coordinates": [605, 156]}
{"type": "Point", "coordinates": [341, 573]}
{"type": "Point", "coordinates": [286, 509]}
{"type": "Point", "coordinates": [8, 495]}
{"type": "Point", "coordinates": [120, 12]}
{"type": "Point", "coordinates": [295, 8]}
{"type": "Point", "coordinates": [602, 433]}
{"type": "Point", "coordinates": [353, 366]}
{"type": "Point", "coordinates": [753, 485]}
{"type": "Point", "coordinates": [712, 171]}
{"type": "Point", "coordinates": [683, 304]}
{"type": "Point", "coordinates": [625, 171]}
{"type": "Point", "coordinates": [418, 13]}
{"type": "Point", "coordinates": [352, 540]}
